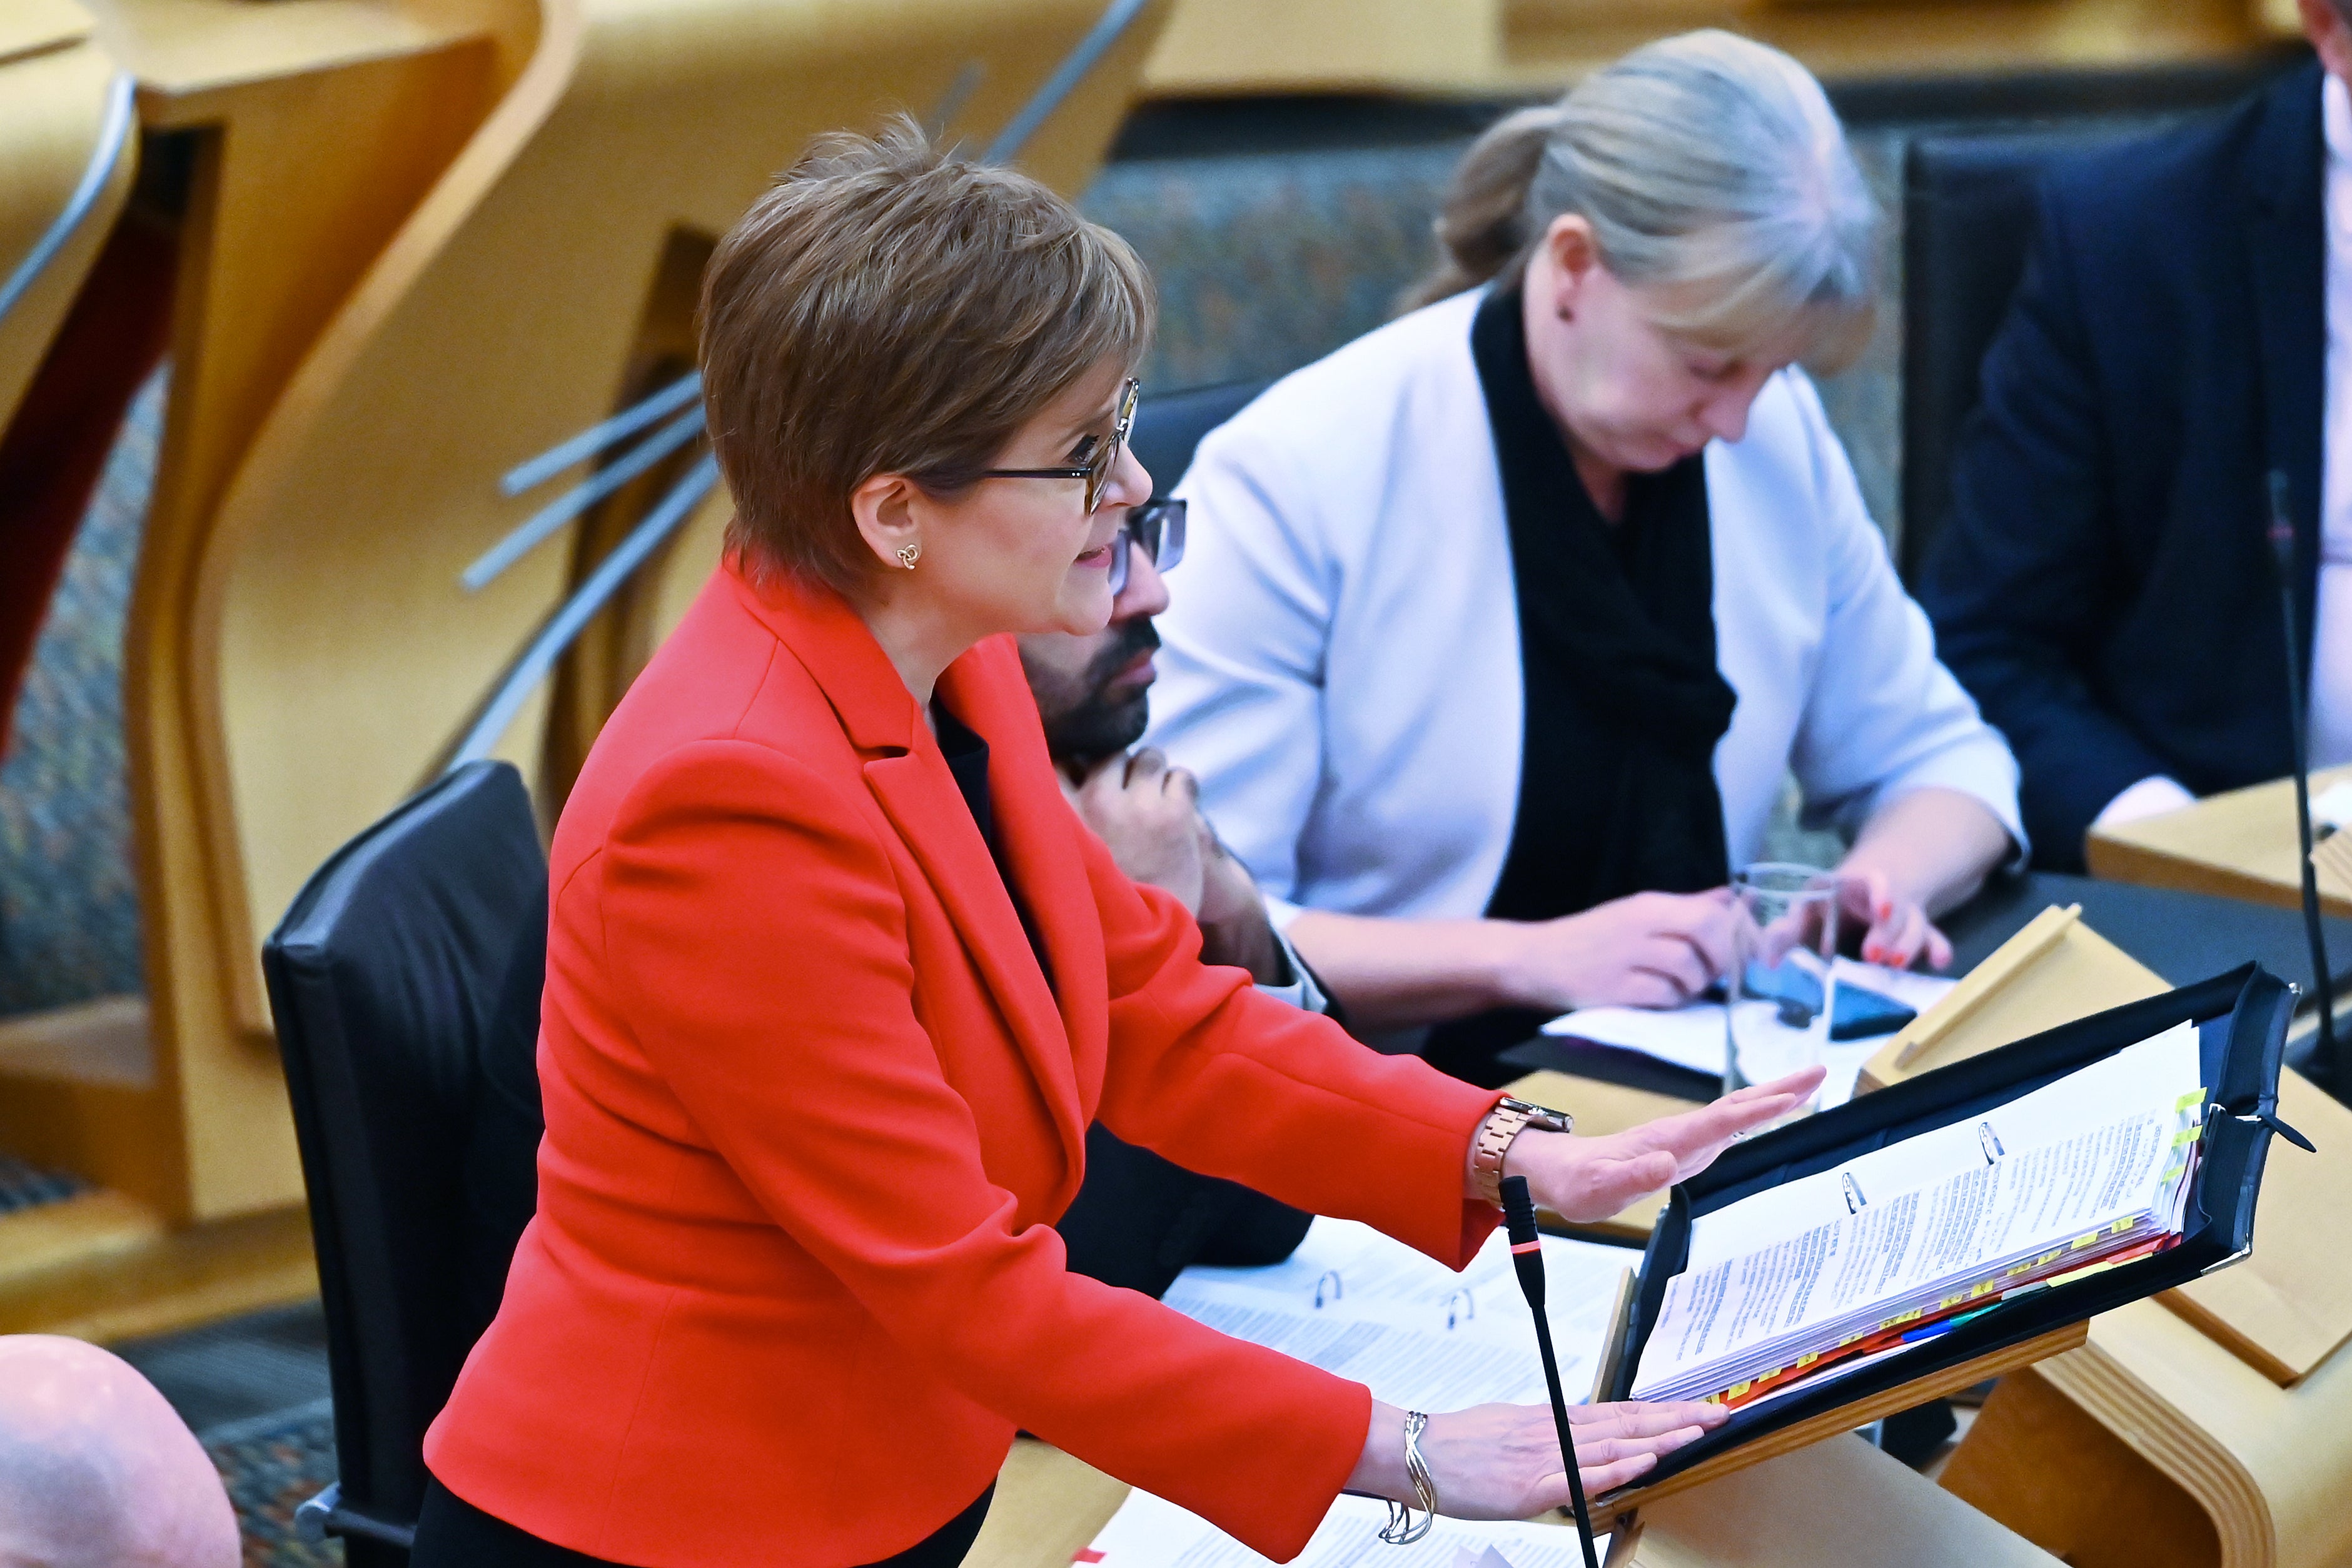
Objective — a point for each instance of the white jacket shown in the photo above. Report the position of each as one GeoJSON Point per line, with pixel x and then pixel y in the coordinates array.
{"type": "Point", "coordinates": [1342, 654]}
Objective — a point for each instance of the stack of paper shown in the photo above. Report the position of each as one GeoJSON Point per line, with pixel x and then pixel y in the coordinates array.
{"type": "Point", "coordinates": [1363, 1306]}
{"type": "Point", "coordinates": [1816, 1276]}
{"type": "Point", "coordinates": [1147, 1532]}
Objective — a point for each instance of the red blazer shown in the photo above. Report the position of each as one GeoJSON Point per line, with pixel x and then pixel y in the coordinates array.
{"type": "Point", "coordinates": [811, 1110]}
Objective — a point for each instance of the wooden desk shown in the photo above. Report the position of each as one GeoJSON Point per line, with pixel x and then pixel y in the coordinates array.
{"type": "Point", "coordinates": [1836, 1505]}
{"type": "Point", "coordinates": [2242, 844]}
{"type": "Point", "coordinates": [2212, 1425]}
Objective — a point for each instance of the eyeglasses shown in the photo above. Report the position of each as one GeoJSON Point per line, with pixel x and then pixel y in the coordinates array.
{"type": "Point", "coordinates": [1096, 471]}
{"type": "Point", "coordinates": [1155, 528]}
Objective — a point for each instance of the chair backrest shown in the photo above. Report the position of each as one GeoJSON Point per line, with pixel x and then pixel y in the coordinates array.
{"type": "Point", "coordinates": [1169, 426]}
{"type": "Point", "coordinates": [1968, 220]}
{"type": "Point", "coordinates": [405, 982]}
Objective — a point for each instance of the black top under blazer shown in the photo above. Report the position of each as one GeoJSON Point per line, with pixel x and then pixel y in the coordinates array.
{"type": "Point", "coordinates": [2103, 585]}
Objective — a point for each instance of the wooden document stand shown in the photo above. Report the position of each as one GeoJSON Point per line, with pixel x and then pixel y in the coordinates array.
{"type": "Point", "coordinates": [1837, 1504]}
{"type": "Point", "coordinates": [2212, 1425]}
{"type": "Point", "coordinates": [2241, 844]}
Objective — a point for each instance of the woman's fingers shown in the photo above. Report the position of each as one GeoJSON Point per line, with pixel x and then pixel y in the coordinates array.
{"type": "Point", "coordinates": [1637, 1418]}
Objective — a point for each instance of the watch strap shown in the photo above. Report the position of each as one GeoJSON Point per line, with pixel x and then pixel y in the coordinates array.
{"type": "Point", "coordinates": [1496, 1134]}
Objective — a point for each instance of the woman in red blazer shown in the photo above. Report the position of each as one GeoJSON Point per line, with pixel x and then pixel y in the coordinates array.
{"type": "Point", "coordinates": [837, 982]}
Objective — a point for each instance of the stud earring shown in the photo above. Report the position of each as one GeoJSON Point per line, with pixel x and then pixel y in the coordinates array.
{"type": "Point", "coordinates": [908, 555]}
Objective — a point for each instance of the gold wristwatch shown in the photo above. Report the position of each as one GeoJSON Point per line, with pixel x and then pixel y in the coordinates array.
{"type": "Point", "coordinates": [1506, 1122]}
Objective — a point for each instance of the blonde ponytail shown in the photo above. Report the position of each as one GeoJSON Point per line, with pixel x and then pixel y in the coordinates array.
{"type": "Point", "coordinates": [1712, 169]}
{"type": "Point", "coordinates": [1483, 225]}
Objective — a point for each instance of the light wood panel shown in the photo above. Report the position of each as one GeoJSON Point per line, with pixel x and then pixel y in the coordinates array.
{"type": "Point", "coordinates": [2054, 970]}
{"type": "Point", "coordinates": [2240, 844]}
{"type": "Point", "coordinates": [1839, 1503]}
{"type": "Point", "coordinates": [1860, 1413]}
{"type": "Point", "coordinates": [315, 125]}
{"type": "Point", "coordinates": [1485, 47]}
{"type": "Point", "coordinates": [2105, 1505]}
{"type": "Point", "coordinates": [2233, 1393]}
{"type": "Point", "coordinates": [1835, 1503]}
{"type": "Point", "coordinates": [105, 1267]}
{"type": "Point", "coordinates": [53, 85]}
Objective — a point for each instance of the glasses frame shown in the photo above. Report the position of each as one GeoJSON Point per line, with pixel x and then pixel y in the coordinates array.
{"type": "Point", "coordinates": [1096, 471]}
{"type": "Point", "coordinates": [1155, 528]}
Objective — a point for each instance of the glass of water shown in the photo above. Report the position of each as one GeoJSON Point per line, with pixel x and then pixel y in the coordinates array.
{"type": "Point", "coordinates": [1783, 985]}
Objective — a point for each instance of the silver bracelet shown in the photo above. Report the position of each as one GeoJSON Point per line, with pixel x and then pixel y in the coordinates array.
{"type": "Point", "coordinates": [1400, 1529]}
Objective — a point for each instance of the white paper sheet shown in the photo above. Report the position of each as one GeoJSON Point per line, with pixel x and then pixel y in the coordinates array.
{"type": "Point", "coordinates": [1694, 1037]}
{"type": "Point", "coordinates": [1415, 1332]}
{"type": "Point", "coordinates": [1150, 1532]}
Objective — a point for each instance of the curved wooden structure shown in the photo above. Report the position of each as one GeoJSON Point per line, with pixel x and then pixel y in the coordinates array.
{"type": "Point", "coordinates": [55, 82]}
{"type": "Point", "coordinates": [422, 238]}
{"type": "Point", "coordinates": [2208, 1427]}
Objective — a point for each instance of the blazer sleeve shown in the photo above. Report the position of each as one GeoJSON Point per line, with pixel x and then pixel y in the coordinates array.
{"type": "Point", "coordinates": [1208, 1070]}
{"type": "Point", "coordinates": [1883, 715]}
{"type": "Point", "coordinates": [757, 943]}
{"type": "Point", "coordinates": [1240, 698]}
{"type": "Point", "coordinates": [2028, 552]}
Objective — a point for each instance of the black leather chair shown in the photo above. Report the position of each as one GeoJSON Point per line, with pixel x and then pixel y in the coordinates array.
{"type": "Point", "coordinates": [1967, 222]}
{"type": "Point", "coordinates": [1168, 426]}
{"type": "Point", "coordinates": [405, 982]}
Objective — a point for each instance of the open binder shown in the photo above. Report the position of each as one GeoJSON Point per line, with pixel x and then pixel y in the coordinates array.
{"type": "Point", "coordinates": [2241, 1024]}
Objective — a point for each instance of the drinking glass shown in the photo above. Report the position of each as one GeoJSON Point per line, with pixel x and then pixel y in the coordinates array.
{"type": "Point", "coordinates": [1782, 985]}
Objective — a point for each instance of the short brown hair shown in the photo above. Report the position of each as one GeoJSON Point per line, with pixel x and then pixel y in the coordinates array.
{"type": "Point", "coordinates": [886, 308]}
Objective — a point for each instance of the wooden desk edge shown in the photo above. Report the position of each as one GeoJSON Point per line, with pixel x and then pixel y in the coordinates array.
{"type": "Point", "coordinates": [1846, 1417]}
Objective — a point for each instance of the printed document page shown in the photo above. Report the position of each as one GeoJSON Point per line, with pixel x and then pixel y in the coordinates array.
{"type": "Point", "coordinates": [2098, 1157]}
{"type": "Point", "coordinates": [1147, 1533]}
{"type": "Point", "coordinates": [1415, 1332]}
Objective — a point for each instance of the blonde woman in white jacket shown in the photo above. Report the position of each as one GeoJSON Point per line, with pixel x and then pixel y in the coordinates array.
{"type": "Point", "coordinates": [1502, 625]}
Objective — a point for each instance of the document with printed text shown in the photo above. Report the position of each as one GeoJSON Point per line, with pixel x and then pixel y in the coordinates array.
{"type": "Point", "coordinates": [2088, 1171]}
{"type": "Point", "coordinates": [1363, 1306]}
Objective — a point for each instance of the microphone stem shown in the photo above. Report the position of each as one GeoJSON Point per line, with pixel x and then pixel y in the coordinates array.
{"type": "Point", "coordinates": [1567, 1440]}
{"type": "Point", "coordinates": [2298, 731]}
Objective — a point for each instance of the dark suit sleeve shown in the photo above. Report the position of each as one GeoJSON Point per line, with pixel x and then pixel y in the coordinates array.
{"type": "Point", "coordinates": [2026, 562]}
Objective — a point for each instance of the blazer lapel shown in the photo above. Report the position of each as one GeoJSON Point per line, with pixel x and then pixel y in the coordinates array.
{"type": "Point", "coordinates": [988, 691]}
{"type": "Point", "coordinates": [911, 782]}
{"type": "Point", "coordinates": [2287, 245]}
{"type": "Point", "coordinates": [920, 796]}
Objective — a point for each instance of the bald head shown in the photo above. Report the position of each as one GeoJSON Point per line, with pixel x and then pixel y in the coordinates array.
{"type": "Point", "coordinates": [96, 1471]}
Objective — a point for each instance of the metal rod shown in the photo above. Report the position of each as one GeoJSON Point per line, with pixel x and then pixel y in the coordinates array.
{"type": "Point", "coordinates": [114, 133]}
{"type": "Point", "coordinates": [1074, 69]}
{"type": "Point", "coordinates": [524, 674]}
{"type": "Point", "coordinates": [2282, 541]}
{"type": "Point", "coordinates": [540, 525]}
{"type": "Point", "coordinates": [596, 437]}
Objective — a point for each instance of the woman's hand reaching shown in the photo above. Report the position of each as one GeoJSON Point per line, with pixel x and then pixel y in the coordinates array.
{"type": "Point", "coordinates": [1502, 1461]}
{"type": "Point", "coordinates": [1588, 1179]}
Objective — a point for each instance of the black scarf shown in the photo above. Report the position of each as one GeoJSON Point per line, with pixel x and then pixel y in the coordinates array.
{"type": "Point", "coordinates": [1624, 704]}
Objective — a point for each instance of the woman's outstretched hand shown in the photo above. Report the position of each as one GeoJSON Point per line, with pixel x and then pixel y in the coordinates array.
{"type": "Point", "coordinates": [1502, 1461]}
{"type": "Point", "coordinates": [1588, 1179]}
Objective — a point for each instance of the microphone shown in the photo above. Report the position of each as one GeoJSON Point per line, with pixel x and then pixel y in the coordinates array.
{"type": "Point", "coordinates": [2282, 541]}
{"type": "Point", "coordinates": [1526, 1258]}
